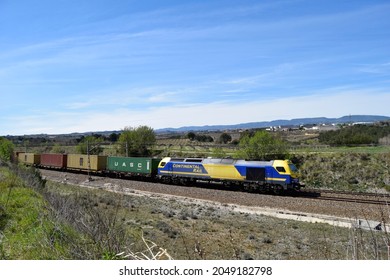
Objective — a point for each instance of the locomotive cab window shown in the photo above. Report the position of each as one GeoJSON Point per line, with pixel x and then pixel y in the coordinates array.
{"type": "Point", "coordinates": [281, 169]}
{"type": "Point", "coordinates": [162, 164]}
{"type": "Point", "coordinates": [293, 167]}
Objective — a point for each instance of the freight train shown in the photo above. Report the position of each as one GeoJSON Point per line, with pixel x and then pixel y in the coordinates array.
{"type": "Point", "coordinates": [276, 175]}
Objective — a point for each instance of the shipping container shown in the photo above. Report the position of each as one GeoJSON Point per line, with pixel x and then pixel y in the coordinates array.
{"type": "Point", "coordinates": [54, 160]}
{"type": "Point", "coordinates": [29, 158]}
{"type": "Point", "coordinates": [85, 162]}
{"type": "Point", "coordinates": [133, 165]}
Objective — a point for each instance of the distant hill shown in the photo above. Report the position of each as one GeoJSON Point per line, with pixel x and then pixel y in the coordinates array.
{"type": "Point", "coordinates": [250, 125]}
{"type": "Point", "coordinates": [293, 122]}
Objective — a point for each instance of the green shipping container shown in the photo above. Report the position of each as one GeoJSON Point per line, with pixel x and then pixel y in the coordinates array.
{"type": "Point", "coordinates": [133, 165]}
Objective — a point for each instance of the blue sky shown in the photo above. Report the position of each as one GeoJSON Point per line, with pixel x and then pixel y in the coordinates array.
{"type": "Point", "coordinates": [76, 66]}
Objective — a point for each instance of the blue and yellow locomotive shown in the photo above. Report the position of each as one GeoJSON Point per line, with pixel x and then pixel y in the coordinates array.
{"type": "Point", "coordinates": [275, 175]}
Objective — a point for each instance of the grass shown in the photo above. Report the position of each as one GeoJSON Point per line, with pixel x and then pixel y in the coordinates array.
{"type": "Point", "coordinates": [339, 171]}
{"type": "Point", "coordinates": [26, 227]}
{"type": "Point", "coordinates": [197, 231]}
{"type": "Point", "coordinates": [343, 150]}
{"type": "Point", "coordinates": [56, 221]}
{"type": "Point", "coordinates": [59, 221]}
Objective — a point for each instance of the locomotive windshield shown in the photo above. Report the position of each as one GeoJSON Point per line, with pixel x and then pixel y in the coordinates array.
{"type": "Point", "coordinates": [293, 168]}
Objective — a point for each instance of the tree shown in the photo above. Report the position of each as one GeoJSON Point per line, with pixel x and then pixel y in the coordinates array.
{"type": "Point", "coordinates": [204, 138]}
{"type": "Point", "coordinates": [225, 138]}
{"type": "Point", "coordinates": [355, 135]}
{"type": "Point", "coordinates": [90, 144]}
{"type": "Point", "coordinates": [262, 145]}
{"type": "Point", "coordinates": [58, 149]}
{"type": "Point", "coordinates": [191, 135]}
{"type": "Point", "coordinates": [6, 149]}
{"type": "Point", "coordinates": [136, 141]}
{"type": "Point", "coordinates": [218, 153]}
{"type": "Point", "coordinates": [113, 137]}
{"type": "Point", "coordinates": [199, 137]}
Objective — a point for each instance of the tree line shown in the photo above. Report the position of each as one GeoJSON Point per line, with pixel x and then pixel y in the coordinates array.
{"type": "Point", "coordinates": [132, 141]}
{"type": "Point", "coordinates": [355, 135]}
{"type": "Point", "coordinates": [139, 141]}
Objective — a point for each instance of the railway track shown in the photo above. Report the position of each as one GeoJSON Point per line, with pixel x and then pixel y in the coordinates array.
{"type": "Point", "coordinates": [351, 197]}
{"type": "Point", "coordinates": [382, 195]}
{"type": "Point", "coordinates": [331, 203]}
{"type": "Point", "coordinates": [317, 194]}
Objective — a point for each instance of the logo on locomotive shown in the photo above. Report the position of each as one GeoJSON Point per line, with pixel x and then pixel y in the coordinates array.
{"type": "Point", "coordinates": [191, 168]}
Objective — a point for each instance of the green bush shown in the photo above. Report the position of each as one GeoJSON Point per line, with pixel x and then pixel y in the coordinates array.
{"type": "Point", "coordinates": [6, 149]}
{"type": "Point", "coordinates": [262, 145]}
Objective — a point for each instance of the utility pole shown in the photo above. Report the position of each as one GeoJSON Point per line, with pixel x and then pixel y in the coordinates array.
{"type": "Point", "coordinates": [89, 162]}
{"type": "Point", "coordinates": [89, 150]}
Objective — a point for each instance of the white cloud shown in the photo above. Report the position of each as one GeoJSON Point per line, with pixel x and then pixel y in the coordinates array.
{"type": "Point", "coordinates": [380, 69]}
{"type": "Point", "coordinates": [335, 102]}
{"type": "Point", "coordinates": [125, 97]}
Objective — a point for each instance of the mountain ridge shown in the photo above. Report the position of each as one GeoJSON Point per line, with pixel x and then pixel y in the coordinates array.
{"type": "Point", "coordinates": [280, 122]}
{"type": "Point", "coordinates": [248, 125]}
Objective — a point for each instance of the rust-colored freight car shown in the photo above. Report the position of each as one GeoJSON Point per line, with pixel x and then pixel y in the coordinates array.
{"type": "Point", "coordinates": [54, 160]}
{"type": "Point", "coordinates": [81, 162]}
{"type": "Point", "coordinates": [29, 158]}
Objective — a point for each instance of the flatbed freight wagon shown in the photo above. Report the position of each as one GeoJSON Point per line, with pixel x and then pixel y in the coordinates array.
{"type": "Point", "coordinates": [139, 166]}
{"type": "Point", "coordinates": [86, 162]}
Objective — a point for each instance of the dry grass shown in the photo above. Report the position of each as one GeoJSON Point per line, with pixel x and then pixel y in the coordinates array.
{"type": "Point", "coordinates": [207, 231]}
{"type": "Point", "coordinates": [352, 171]}
{"type": "Point", "coordinates": [95, 224]}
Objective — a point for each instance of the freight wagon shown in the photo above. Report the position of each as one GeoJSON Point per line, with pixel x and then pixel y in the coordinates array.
{"type": "Point", "coordinates": [133, 166]}
{"type": "Point", "coordinates": [58, 161]}
{"type": "Point", "coordinates": [85, 162]}
{"type": "Point", "coordinates": [29, 158]}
